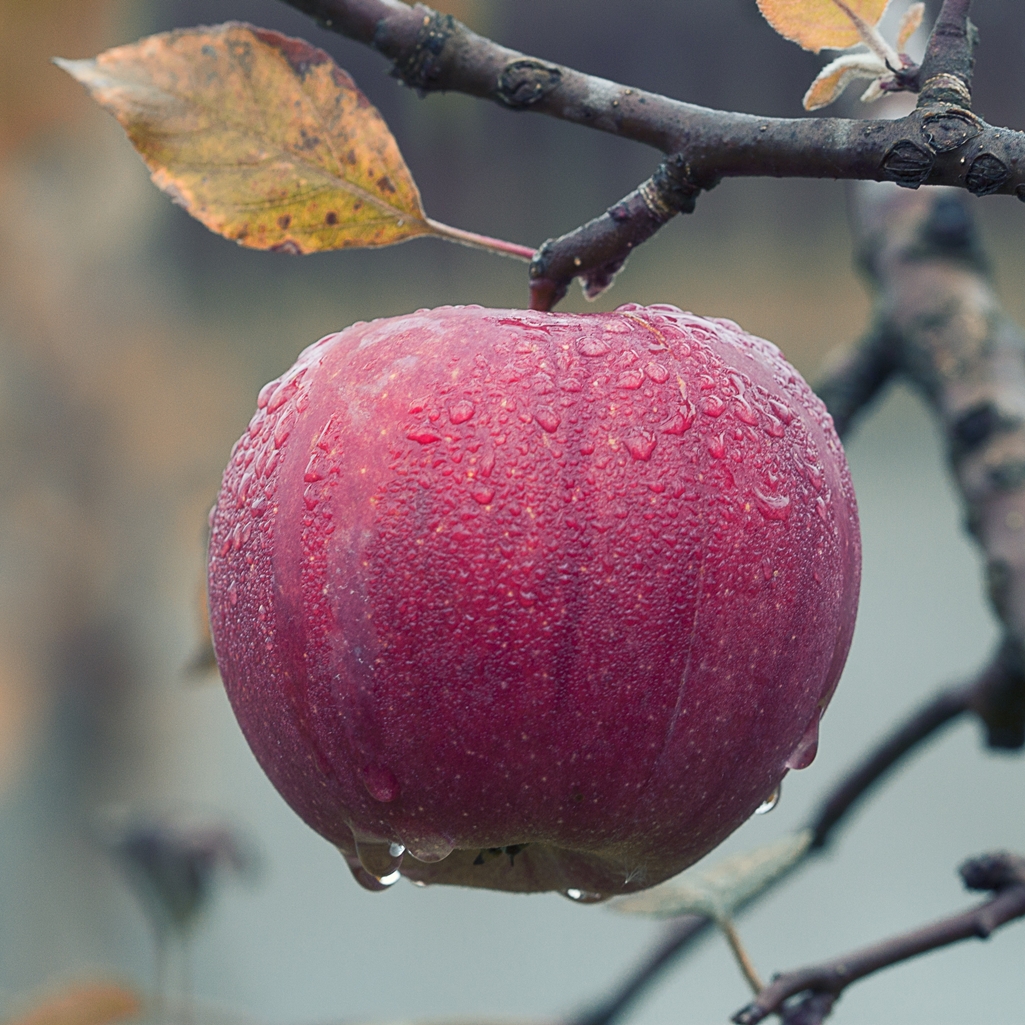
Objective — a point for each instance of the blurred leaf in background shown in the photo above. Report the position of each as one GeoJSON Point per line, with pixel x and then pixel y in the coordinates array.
{"type": "Point", "coordinates": [82, 1003]}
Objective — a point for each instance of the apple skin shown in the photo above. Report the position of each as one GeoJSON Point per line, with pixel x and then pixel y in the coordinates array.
{"type": "Point", "coordinates": [552, 601]}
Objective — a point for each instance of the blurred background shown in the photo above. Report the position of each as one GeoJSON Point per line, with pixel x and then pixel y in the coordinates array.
{"type": "Point", "coordinates": [132, 345]}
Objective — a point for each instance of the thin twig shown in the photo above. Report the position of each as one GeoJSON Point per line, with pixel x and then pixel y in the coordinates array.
{"type": "Point", "coordinates": [856, 377]}
{"type": "Point", "coordinates": [681, 935]}
{"type": "Point", "coordinates": [908, 736]}
{"type": "Point", "coordinates": [1004, 874]}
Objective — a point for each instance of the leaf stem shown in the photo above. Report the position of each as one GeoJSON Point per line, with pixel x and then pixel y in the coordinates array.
{"type": "Point", "coordinates": [729, 930]}
{"type": "Point", "coordinates": [471, 238]}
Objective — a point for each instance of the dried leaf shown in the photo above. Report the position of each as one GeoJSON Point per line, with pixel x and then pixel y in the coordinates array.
{"type": "Point", "coordinates": [261, 137]}
{"type": "Point", "coordinates": [718, 892]}
{"type": "Point", "coordinates": [838, 74]}
{"type": "Point", "coordinates": [95, 1003]}
{"type": "Point", "coordinates": [909, 24]}
{"type": "Point", "coordinates": [821, 24]}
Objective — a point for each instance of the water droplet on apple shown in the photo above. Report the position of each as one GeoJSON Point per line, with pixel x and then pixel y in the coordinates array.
{"type": "Point", "coordinates": [265, 393]}
{"type": "Point", "coordinates": [381, 783]}
{"type": "Point", "coordinates": [773, 507]}
{"type": "Point", "coordinates": [807, 747]}
{"type": "Point", "coordinates": [314, 471]}
{"type": "Point", "coordinates": [582, 896]}
{"type": "Point", "coordinates": [640, 446]}
{"type": "Point", "coordinates": [424, 436]}
{"type": "Point", "coordinates": [283, 430]}
{"type": "Point", "coordinates": [713, 406]}
{"type": "Point", "coordinates": [770, 802]}
{"type": "Point", "coordinates": [367, 879]}
{"type": "Point", "coordinates": [548, 419]}
{"type": "Point", "coordinates": [281, 395]}
{"type": "Point", "coordinates": [681, 421]}
{"type": "Point", "coordinates": [460, 412]}
{"type": "Point", "coordinates": [430, 850]}
{"type": "Point", "coordinates": [378, 859]}
{"type": "Point", "coordinates": [745, 414]}
{"type": "Point", "coordinates": [588, 345]}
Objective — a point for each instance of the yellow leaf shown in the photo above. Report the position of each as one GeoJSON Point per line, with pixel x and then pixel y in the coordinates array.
{"type": "Point", "coordinates": [821, 24]}
{"type": "Point", "coordinates": [838, 74]}
{"type": "Point", "coordinates": [909, 24]}
{"type": "Point", "coordinates": [97, 1003]}
{"type": "Point", "coordinates": [261, 137]}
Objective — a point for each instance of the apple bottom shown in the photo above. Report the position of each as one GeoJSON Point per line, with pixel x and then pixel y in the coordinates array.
{"type": "Point", "coordinates": [517, 868]}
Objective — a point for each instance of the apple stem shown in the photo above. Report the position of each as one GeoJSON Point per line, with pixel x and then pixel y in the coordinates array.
{"type": "Point", "coordinates": [729, 930]}
{"type": "Point", "coordinates": [471, 238]}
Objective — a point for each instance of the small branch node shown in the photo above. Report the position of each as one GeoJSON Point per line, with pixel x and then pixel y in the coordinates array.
{"type": "Point", "coordinates": [527, 81]}
{"type": "Point", "coordinates": [949, 59]}
{"type": "Point", "coordinates": [421, 66]}
{"type": "Point", "coordinates": [946, 88]}
{"type": "Point", "coordinates": [993, 872]}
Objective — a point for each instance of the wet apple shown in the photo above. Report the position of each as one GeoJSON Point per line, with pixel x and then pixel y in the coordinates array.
{"type": "Point", "coordinates": [533, 601]}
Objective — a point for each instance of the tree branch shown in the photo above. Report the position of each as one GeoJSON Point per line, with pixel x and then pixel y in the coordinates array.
{"type": "Point", "coordinates": [598, 250]}
{"type": "Point", "coordinates": [946, 71]}
{"type": "Point", "coordinates": [939, 324]}
{"type": "Point", "coordinates": [856, 377]}
{"type": "Point", "coordinates": [940, 143]}
{"type": "Point", "coordinates": [1003, 874]}
{"type": "Point", "coordinates": [432, 52]}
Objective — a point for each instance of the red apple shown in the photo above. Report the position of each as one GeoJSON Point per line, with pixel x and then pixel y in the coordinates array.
{"type": "Point", "coordinates": [533, 601]}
